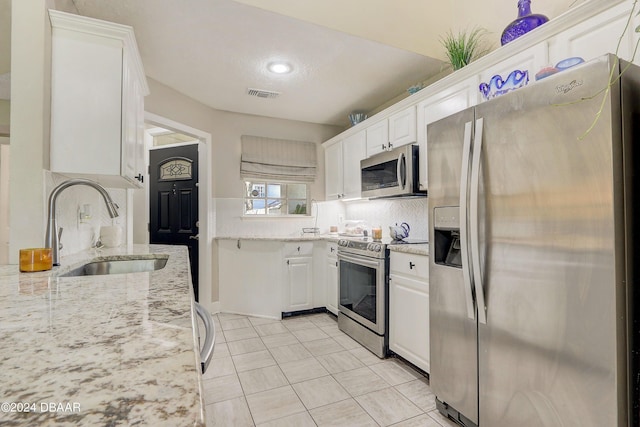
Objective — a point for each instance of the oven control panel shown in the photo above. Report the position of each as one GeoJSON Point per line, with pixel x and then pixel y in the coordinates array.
{"type": "Point", "coordinates": [362, 247]}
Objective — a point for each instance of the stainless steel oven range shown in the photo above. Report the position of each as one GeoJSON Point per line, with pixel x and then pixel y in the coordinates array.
{"type": "Point", "coordinates": [363, 271]}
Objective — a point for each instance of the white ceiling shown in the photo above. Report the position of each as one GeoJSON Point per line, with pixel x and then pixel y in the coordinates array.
{"type": "Point", "coordinates": [213, 50]}
{"type": "Point", "coordinates": [347, 54]}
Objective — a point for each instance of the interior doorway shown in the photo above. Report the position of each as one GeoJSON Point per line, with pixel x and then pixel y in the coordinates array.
{"type": "Point", "coordinates": [166, 133]}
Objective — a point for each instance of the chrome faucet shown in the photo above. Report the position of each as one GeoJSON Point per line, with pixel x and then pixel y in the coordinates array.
{"type": "Point", "coordinates": [52, 238]}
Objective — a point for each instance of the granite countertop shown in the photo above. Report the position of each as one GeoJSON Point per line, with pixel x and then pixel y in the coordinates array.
{"type": "Point", "coordinates": [100, 350]}
{"type": "Point", "coordinates": [416, 249]}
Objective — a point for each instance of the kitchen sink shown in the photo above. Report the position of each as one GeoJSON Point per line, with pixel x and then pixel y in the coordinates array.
{"type": "Point", "coordinates": [118, 266]}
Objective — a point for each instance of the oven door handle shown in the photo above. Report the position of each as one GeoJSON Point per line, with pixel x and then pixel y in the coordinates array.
{"type": "Point", "coordinates": [359, 260]}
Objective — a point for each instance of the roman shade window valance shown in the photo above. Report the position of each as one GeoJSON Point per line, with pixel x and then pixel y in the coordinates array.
{"type": "Point", "coordinates": [278, 159]}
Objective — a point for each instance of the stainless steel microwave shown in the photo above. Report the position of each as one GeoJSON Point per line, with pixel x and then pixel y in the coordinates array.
{"type": "Point", "coordinates": [391, 174]}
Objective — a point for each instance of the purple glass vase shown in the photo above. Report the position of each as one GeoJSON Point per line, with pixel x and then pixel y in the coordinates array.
{"type": "Point", "coordinates": [525, 22]}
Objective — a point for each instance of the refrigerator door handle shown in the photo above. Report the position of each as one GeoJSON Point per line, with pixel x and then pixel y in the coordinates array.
{"type": "Point", "coordinates": [473, 221]}
{"type": "Point", "coordinates": [464, 235]}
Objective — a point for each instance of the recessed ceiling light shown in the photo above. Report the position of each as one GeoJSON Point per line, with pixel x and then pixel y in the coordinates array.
{"type": "Point", "coordinates": [279, 67]}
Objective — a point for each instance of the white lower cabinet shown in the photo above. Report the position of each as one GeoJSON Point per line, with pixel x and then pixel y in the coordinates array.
{"type": "Point", "coordinates": [298, 284]}
{"type": "Point", "coordinates": [249, 276]}
{"type": "Point", "coordinates": [409, 308]}
{"type": "Point", "coordinates": [331, 277]}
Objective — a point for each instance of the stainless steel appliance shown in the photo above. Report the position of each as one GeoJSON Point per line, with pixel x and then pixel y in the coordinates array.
{"type": "Point", "coordinates": [206, 349]}
{"type": "Point", "coordinates": [363, 281]}
{"type": "Point", "coordinates": [391, 174]}
{"type": "Point", "coordinates": [533, 268]}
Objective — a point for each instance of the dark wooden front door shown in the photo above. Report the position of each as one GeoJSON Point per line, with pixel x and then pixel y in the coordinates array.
{"type": "Point", "coordinates": [173, 203]}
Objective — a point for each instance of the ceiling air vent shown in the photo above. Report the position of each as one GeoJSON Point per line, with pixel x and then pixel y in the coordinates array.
{"type": "Point", "coordinates": [262, 93]}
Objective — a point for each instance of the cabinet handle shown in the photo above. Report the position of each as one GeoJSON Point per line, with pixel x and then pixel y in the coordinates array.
{"type": "Point", "coordinates": [333, 249]}
{"type": "Point", "coordinates": [411, 265]}
{"type": "Point", "coordinates": [336, 263]}
{"type": "Point", "coordinates": [298, 248]}
{"type": "Point", "coordinates": [390, 146]}
{"type": "Point", "coordinates": [384, 147]}
{"type": "Point", "coordinates": [139, 177]}
{"type": "Point", "coordinates": [288, 262]}
{"type": "Point", "coordinates": [238, 244]}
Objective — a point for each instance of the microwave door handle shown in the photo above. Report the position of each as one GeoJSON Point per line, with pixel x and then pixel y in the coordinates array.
{"type": "Point", "coordinates": [401, 171]}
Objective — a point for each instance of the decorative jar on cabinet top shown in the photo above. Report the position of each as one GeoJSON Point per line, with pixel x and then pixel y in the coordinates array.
{"type": "Point", "coordinates": [525, 22]}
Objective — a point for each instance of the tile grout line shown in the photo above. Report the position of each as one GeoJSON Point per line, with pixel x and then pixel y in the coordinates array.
{"type": "Point", "coordinates": [314, 357]}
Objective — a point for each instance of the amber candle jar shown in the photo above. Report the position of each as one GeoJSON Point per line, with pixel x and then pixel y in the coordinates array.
{"type": "Point", "coordinates": [35, 259]}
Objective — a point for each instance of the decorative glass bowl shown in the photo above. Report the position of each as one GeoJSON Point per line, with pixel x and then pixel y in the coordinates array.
{"type": "Point", "coordinates": [498, 86]}
{"type": "Point", "coordinates": [415, 88]}
{"type": "Point", "coordinates": [357, 117]}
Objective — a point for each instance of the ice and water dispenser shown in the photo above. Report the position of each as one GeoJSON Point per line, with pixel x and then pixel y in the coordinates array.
{"type": "Point", "coordinates": [446, 239]}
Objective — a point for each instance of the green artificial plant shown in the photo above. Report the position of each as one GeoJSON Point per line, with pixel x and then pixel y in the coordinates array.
{"type": "Point", "coordinates": [464, 47]}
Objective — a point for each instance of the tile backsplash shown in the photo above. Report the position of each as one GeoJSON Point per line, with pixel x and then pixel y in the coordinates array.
{"type": "Point", "coordinates": [387, 212]}
{"type": "Point", "coordinates": [230, 223]}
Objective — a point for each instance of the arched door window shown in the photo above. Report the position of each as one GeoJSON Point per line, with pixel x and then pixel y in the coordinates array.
{"type": "Point", "coordinates": [175, 168]}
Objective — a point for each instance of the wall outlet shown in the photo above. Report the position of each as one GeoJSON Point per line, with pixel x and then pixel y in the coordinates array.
{"type": "Point", "coordinates": [340, 218]}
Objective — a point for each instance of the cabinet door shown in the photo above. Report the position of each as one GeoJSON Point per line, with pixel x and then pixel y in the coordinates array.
{"type": "Point", "coordinates": [596, 36]}
{"type": "Point", "coordinates": [129, 124]}
{"type": "Point", "coordinates": [250, 277]}
{"type": "Point", "coordinates": [409, 320]}
{"type": "Point", "coordinates": [332, 285]}
{"type": "Point", "coordinates": [97, 101]}
{"type": "Point", "coordinates": [402, 128]}
{"type": "Point", "coordinates": [531, 60]}
{"type": "Point", "coordinates": [86, 104]}
{"type": "Point", "coordinates": [449, 101]}
{"type": "Point", "coordinates": [333, 171]}
{"type": "Point", "coordinates": [299, 276]}
{"type": "Point", "coordinates": [353, 150]}
{"type": "Point", "coordinates": [377, 138]}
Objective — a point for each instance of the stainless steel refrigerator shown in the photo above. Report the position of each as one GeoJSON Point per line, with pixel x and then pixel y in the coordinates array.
{"type": "Point", "coordinates": [533, 221]}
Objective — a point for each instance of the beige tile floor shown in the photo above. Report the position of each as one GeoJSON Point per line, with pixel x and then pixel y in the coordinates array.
{"type": "Point", "coordinates": [303, 371]}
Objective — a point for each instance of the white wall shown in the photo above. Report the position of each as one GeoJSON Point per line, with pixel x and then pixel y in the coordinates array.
{"type": "Point", "coordinates": [30, 93]}
{"type": "Point", "coordinates": [226, 128]}
{"type": "Point", "coordinates": [4, 200]}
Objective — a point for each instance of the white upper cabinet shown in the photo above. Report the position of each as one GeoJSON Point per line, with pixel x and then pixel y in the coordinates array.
{"type": "Point", "coordinates": [353, 150]}
{"type": "Point", "coordinates": [531, 60]}
{"type": "Point", "coordinates": [451, 100]}
{"type": "Point", "coordinates": [333, 171]}
{"type": "Point", "coordinates": [377, 138]}
{"type": "Point", "coordinates": [596, 36]}
{"type": "Point", "coordinates": [399, 129]}
{"type": "Point", "coordinates": [342, 167]}
{"type": "Point", "coordinates": [402, 128]}
{"type": "Point", "coordinates": [97, 101]}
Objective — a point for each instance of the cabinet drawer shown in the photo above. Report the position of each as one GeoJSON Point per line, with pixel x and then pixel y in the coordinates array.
{"type": "Point", "coordinates": [332, 249]}
{"type": "Point", "coordinates": [293, 249]}
{"type": "Point", "coordinates": [409, 265]}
